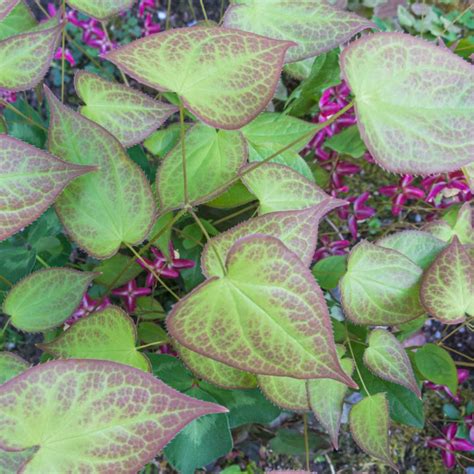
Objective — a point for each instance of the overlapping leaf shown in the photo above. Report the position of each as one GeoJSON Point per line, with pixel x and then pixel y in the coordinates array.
{"type": "Point", "coordinates": [101, 9]}
{"type": "Point", "coordinates": [6, 6]}
{"type": "Point", "coordinates": [381, 286]}
{"type": "Point", "coordinates": [46, 298]}
{"type": "Point", "coordinates": [315, 26]}
{"type": "Point", "coordinates": [387, 358]}
{"type": "Point", "coordinates": [18, 20]}
{"type": "Point", "coordinates": [81, 413]}
{"type": "Point", "coordinates": [224, 76]}
{"type": "Point", "coordinates": [265, 316]}
{"type": "Point", "coordinates": [213, 157]}
{"type": "Point", "coordinates": [106, 335]}
{"type": "Point", "coordinates": [30, 181]}
{"type": "Point", "coordinates": [25, 58]}
{"type": "Point", "coordinates": [447, 287]}
{"type": "Point", "coordinates": [11, 365]}
{"type": "Point", "coordinates": [127, 114]}
{"type": "Point", "coordinates": [106, 208]}
{"type": "Point", "coordinates": [413, 101]}
{"type": "Point", "coordinates": [285, 392]}
{"type": "Point", "coordinates": [12, 461]}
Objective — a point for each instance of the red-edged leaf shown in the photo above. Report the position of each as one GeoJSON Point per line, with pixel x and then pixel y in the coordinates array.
{"type": "Point", "coordinates": [285, 392]}
{"type": "Point", "coordinates": [101, 9]}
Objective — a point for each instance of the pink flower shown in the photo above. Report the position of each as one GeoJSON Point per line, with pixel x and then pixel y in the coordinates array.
{"type": "Point", "coordinates": [102, 44]}
{"type": "Point", "coordinates": [71, 15]}
{"type": "Point", "coordinates": [91, 31]}
{"type": "Point", "coordinates": [445, 190]}
{"type": "Point", "coordinates": [149, 27]}
{"type": "Point", "coordinates": [67, 56]}
{"type": "Point", "coordinates": [463, 375]}
{"type": "Point", "coordinates": [7, 96]}
{"type": "Point", "coordinates": [360, 212]}
{"type": "Point", "coordinates": [86, 307]}
{"type": "Point", "coordinates": [130, 292]}
{"type": "Point", "coordinates": [401, 193]}
{"type": "Point", "coordinates": [143, 5]}
{"type": "Point", "coordinates": [450, 445]}
{"type": "Point", "coordinates": [336, 247]}
{"type": "Point", "coordinates": [342, 168]}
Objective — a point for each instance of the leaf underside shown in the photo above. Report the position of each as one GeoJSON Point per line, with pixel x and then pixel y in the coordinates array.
{"type": "Point", "coordinates": [101, 9]}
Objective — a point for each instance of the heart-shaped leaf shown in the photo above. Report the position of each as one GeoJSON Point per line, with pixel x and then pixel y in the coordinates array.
{"type": "Point", "coordinates": [279, 188]}
{"type": "Point", "coordinates": [225, 77]}
{"type": "Point", "coordinates": [381, 286]}
{"type": "Point", "coordinates": [105, 335]}
{"type": "Point", "coordinates": [315, 26]}
{"type": "Point", "coordinates": [129, 115]}
{"type": "Point", "coordinates": [25, 58]}
{"type": "Point", "coordinates": [387, 358]}
{"type": "Point", "coordinates": [239, 320]}
{"type": "Point", "coordinates": [46, 298]}
{"type": "Point", "coordinates": [6, 6]}
{"type": "Point", "coordinates": [447, 287]}
{"type": "Point", "coordinates": [370, 422]}
{"type": "Point", "coordinates": [213, 157]}
{"type": "Point", "coordinates": [413, 102]}
{"type": "Point", "coordinates": [81, 413]}
{"type": "Point", "coordinates": [11, 365]}
{"type": "Point", "coordinates": [30, 181]}
{"type": "Point", "coordinates": [298, 230]}
{"type": "Point", "coordinates": [106, 208]}
{"type": "Point", "coordinates": [285, 392]}
{"type": "Point", "coordinates": [19, 20]}
{"type": "Point", "coordinates": [101, 9]}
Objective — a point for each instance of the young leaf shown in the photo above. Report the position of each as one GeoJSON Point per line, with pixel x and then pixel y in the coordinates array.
{"type": "Point", "coordinates": [447, 287]}
{"type": "Point", "coordinates": [26, 58]}
{"type": "Point", "coordinates": [313, 25]}
{"type": "Point", "coordinates": [19, 20]}
{"type": "Point", "coordinates": [46, 298]}
{"type": "Point", "coordinates": [30, 181]}
{"type": "Point", "coordinates": [213, 157]}
{"type": "Point", "coordinates": [206, 67]}
{"type": "Point", "coordinates": [387, 358]}
{"type": "Point", "coordinates": [127, 114]}
{"type": "Point", "coordinates": [106, 335]}
{"type": "Point", "coordinates": [326, 398]}
{"type": "Point", "coordinates": [369, 422]}
{"type": "Point", "coordinates": [285, 392]}
{"type": "Point", "coordinates": [104, 209]}
{"type": "Point", "coordinates": [11, 365]}
{"type": "Point", "coordinates": [238, 320]}
{"type": "Point", "coordinates": [101, 9]}
{"type": "Point", "coordinates": [298, 230]}
{"type": "Point", "coordinates": [279, 188]}
{"type": "Point", "coordinates": [381, 286]}
{"type": "Point", "coordinates": [413, 102]}
{"type": "Point", "coordinates": [215, 372]}
{"type": "Point", "coordinates": [81, 413]}
{"type": "Point", "coordinates": [6, 6]}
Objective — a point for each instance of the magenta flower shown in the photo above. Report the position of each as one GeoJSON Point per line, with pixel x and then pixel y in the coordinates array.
{"type": "Point", "coordinates": [360, 212]}
{"type": "Point", "coordinates": [469, 420]}
{"type": "Point", "coordinates": [342, 168]}
{"type": "Point", "coordinates": [91, 31]}
{"type": "Point", "coordinates": [130, 292]}
{"type": "Point", "coordinates": [401, 193]}
{"type": "Point", "coordinates": [149, 26]}
{"type": "Point", "coordinates": [7, 96]}
{"type": "Point", "coordinates": [336, 247]}
{"type": "Point", "coordinates": [67, 56]}
{"type": "Point", "coordinates": [71, 15]}
{"type": "Point", "coordinates": [144, 5]}
{"type": "Point", "coordinates": [86, 307]}
{"type": "Point", "coordinates": [463, 375]}
{"type": "Point", "coordinates": [449, 445]}
{"type": "Point", "coordinates": [445, 190]}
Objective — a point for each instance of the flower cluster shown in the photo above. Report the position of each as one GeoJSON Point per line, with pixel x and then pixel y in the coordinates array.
{"type": "Point", "coordinates": [86, 307]}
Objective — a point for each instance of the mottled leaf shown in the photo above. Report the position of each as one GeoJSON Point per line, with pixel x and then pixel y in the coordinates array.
{"type": "Point", "coordinates": [105, 335]}
{"type": "Point", "coordinates": [92, 416]}
{"type": "Point", "coordinates": [369, 422]}
{"type": "Point", "coordinates": [11, 365]}
{"type": "Point", "coordinates": [265, 316]}
{"type": "Point", "coordinates": [6, 6]}
{"type": "Point", "coordinates": [313, 25]}
{"type": "Point", "coordinates": [285, 392]}
{"type": "Point", "coordinates": [106, 208]}
{"type": "Point", "coordinates": [413, 102]}
{"type": "Point", "coordinates": [381, 286]}
{"type": "Point", "coordinates": [213, 157]}
{"type": "Point", "coordinates": [127, 114]}
{"type": "Point", "coordinates": [12, 461]}
{"type": "Point", "coordinates": [30, 181]}
{"type": "Point", "coordinates": [447, 287]}
{"type": "Point", "coordinates": [46, 298]}
{"type": "Point", "coordinates": [225, 77]}
{"type": "Point", "coordinates": [387, 358]}
{"type": "Point", "coordinates": [18, 20]}
{"type": "Point", "coordinates": [25, 58]}
{"type": "Point", "coordinates": [101, 9]}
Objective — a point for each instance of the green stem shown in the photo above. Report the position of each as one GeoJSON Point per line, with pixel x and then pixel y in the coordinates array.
{"type": "Point", "coordinates": [204, 11]}
{"type": "Point", "coordinates": [106, 33]}
{"type": "Point", "coordinates": [63, 56]}
{"type": "Point", "coordinates": [38, 4]}
{"type": "Point", "coordinates": [183, 152]}
{"type": "Point", "coordinates": [235, 214]}
{"type": "Point", "coordinates": [5, 326]}
{"type": "Point", "coordinates": [22, 115]}
{"type": "Point", "coordinates": [355, 362]}
{"type": "Point", "coordinates": [40, 260]}
{"type": "Point", "coordinates": [84, 52]}
{"type": "Point", "coordinates": [168, 15]}
{"type": "Point", "coordinates": [306, 441]}
{"type": "Point", "coordinates": [6, 281]}
{"type": "Point", "coordinates": [157, 343]}
{"type": "Point", "coordinates": [191, 7]}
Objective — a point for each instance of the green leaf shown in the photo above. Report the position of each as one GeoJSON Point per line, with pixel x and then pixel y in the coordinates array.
{"type": "Point", "coordinates": [314, 26]}
{"type": "Point", "coordinates": [420, 247]}
{"type": "Point", "coordinates": [149, 309]}
{"type": "Point", "coordinates": [369, 422]}
{"type": "Point", "coordinates": [329, 271]}
{"type": "Point", "coordinates": [161, 142]}
{"type": "Point", "coordinates": [285, 392]}
{"type": "Point", "coordinates": [109, 334]}
{"type": "Point", "coordinates": [6, 7]}
{"type": "Point", "coordinates": [127, 114]}
{"type": "Point", "coordinates": [3, 126]}
{"type": "Point", "coordinates": [291, 443]}
{"type": "Point", "coordinates": [101, 9]}
{"type": "Point", "coordinates": [150, 333]}
{"type": "Point", "coordinates": [436, 365]}
{"type": "Point", "coordinates": [25, 58]}
{"type": "Point", "coordinates": [447, 287]}
{"type": "Point", "coordinates": [109, 270]}
{"type": "Point", "coordinates": [12, 461]}
{"type": "Point", "coordinates": [387, 358]}
{"type": "Point", "coordinates": [225, 318]}
{"type": "Point", "coordinates": [326, 399]}
{"type": "Point", "coordinates": [413, 101]}
{"type": "Point", "coordinates": [299, 70]}
{"type": "Point", "coordinates": [200, 65]}
{"type": "Point", "coordinates": [111, 206]}
{"type": "Point", "coordinates": [236, 195]}
{"type": "Point", "coordinates": [347, 142]}
{"type": "Point", "coordinates": [202, 441]}
{"type": "Point", "coordinates": [18, 20]}
{"type": "Point", "coordinates": [162, 227]}
{"type": "Point", "coordinates": [381, 286]}
{"type": "Point", "coordinates": [89, 413]}
{"type": "Point", "coordinates": [11, 365]}
{"type": "Point", "coordinates": [30, 181]}
{"type": "Point", "coordinates": [279, 188]}
{"type": "Point", "coordinates": [46, 298]}
{"type": "Point", "coordinates": [213, 157]}
{"type": "Point", "coordinates": [171, 371]}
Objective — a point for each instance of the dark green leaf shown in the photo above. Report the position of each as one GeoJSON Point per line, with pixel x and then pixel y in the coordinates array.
{"type": "Point", "coordinates": [171, 371]}
{"type": "Point", "coordinates": [292, 443]}
{"type": "Point", "coordinates": [347, 142]}
{"type": "Point", "coordinates": [329, 271]}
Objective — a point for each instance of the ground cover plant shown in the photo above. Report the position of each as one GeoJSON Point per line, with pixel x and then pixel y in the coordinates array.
{"type": "Point", "coordinates": [226, 231]}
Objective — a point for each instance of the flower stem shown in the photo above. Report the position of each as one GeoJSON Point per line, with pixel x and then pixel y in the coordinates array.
{"type": "Point", "coordinates": [38, 4]}
{"type": "Point", "coordinates": [168, 15]}
{"type": "Point", "coordinates": [40, 260]}
{"type": "Point", "coordinates": [22, 115]}
{"type": "Point", "coordinates": [183, 152]}
{"type": "Point", "coordinates": [306, 441]}
{"type": "Point", "coordinates": [6, 281]}
{"type": "Point", "coordinates": [157, 343]}
{"type": "Point", "coordinates": [203, 8]}
{"type": "Point", "coordinates": [191, 7]}
{"type": "Point", "coordinates": [63, 55]}
{"type": "Point", "coordinates": [106, 33]}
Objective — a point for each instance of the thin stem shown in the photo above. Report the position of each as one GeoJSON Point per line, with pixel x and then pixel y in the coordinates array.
{"type": "Point", "coordinates": [452, 332]}
{"type": "Point", "coordinates": [203, 8]}
{"type": "Point", "coordinates": [331, 223]}
{"type": "Point", "coordinates": [234, 214]}
{"type": "Point", "coordinates": [84, 52]}
{"type": "Point", "coordinates": [168, 15]}
{"type": "Point", "coordinates": [456, 19]}
{"type": "Point", "coordinates": [63, 56]}
{"type": "Point", "coordinates": [331, 467]}
{"type": "Point", "coordinates": [157, 343]}
{"type": "Point", "coordinates": [221, 14]}
{"type": "Point", "coordinates": [40, 260]}
{"type": "Point", "coordinates": [183, 152]}
{"type": "Point", "coordinates": [457, 352]}
{"type": "Point", "coordinates": [6, 281]}
{"type": "Point", "coordinates": [5, 326]}
{"type": "Point", "coordinates": [191, 7]}
{"type": "Point", "coordinates": [22, 115]}
{"type": "Point", "coordinates": [38, 4]}
{"type": "Point", "coordinates": [355, 362]}
{"type": "Point", "coordinates": [306, 440]}
{"type": "Point", "coordinates": [104, 28]}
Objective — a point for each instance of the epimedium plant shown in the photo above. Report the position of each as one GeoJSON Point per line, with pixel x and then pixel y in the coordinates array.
{"type": "Point", "coordinates": [251, 323]}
